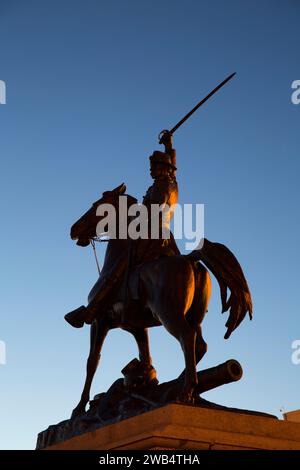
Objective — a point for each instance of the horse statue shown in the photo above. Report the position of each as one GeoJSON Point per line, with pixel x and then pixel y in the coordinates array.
{"type": "Point", "coordinates": [173, 291]}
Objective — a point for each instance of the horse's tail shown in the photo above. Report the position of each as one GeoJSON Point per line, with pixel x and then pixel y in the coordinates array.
{"type": "Point", "coordinates": [229, 274]}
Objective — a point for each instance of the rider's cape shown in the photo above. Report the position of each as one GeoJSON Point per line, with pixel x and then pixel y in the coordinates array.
{"type": "Point", "coordinates": [229, 274]}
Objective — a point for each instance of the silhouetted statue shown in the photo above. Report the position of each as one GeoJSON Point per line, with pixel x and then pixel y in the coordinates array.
{"type": "Point", "coordinates": [146, 283]}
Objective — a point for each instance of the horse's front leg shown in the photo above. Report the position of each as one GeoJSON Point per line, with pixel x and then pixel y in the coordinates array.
{"type": "Point", "coordinates": [142, 373]}
{"type": "Point", "coordinates": [142, 338]}
{"type": "Point", "coordinates": [99, 330]}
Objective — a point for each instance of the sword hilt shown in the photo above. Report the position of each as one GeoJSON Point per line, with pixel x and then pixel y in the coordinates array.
{"type": "Point", "coordinates": [165, 138]}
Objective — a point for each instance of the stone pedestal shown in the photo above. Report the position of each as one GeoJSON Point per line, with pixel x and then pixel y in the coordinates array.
{"type": "Point", "coordinates": [184, 427]}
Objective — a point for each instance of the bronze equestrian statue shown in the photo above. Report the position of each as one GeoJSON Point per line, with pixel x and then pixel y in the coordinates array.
{"type": "Point", "coordinates": [147, 283]}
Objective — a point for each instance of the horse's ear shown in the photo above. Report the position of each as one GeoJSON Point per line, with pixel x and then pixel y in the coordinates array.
{"type": "Point", "coordinates": [120, 189]}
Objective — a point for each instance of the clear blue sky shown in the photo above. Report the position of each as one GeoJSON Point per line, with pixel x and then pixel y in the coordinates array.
{"type": "Point", "coordinates": [89, 86]}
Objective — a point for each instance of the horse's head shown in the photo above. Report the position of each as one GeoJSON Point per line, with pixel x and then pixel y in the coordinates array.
{"type": "Point", "coordinates": [85, 228]}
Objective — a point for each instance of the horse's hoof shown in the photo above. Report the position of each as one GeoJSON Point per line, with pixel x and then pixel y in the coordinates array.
{"type": "Point", "coordinates": [79, 410]}
{"type": "Point", "coordinates": [185, 397]}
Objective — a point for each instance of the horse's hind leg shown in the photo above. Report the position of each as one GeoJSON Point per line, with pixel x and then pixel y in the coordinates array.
{"type": "Point", "coordinates": [188, 342]}
{"type": "Point", "coordinates": [201, 345]}
{"type": "Point", "coordinates": [186, 336]}
{"type": "Point", "coordinates": [200, 349]}
{"type": "Point", "coordinates": [99, 330]}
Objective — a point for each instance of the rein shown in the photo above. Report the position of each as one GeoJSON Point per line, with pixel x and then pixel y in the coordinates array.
{"type": "Point", "coordinates": [93, 240]}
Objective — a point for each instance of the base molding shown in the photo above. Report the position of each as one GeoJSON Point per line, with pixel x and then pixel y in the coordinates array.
{"type": "Point", "coordinates": [185, 427]}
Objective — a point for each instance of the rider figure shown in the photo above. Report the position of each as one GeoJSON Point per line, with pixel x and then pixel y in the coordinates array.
{"type": "Point", "coordinates": [164, 192]}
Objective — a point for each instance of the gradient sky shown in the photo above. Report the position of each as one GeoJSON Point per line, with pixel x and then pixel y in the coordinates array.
{"type": "Point", "coordinates": [90, 84]}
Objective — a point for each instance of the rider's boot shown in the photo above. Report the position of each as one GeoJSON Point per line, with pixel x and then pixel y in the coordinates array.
{"type": "Point", "coordinates": [78, 317]}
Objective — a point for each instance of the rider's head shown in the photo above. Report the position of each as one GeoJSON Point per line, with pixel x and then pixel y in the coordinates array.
{"type": "Point", "coordinates": [161, 165]}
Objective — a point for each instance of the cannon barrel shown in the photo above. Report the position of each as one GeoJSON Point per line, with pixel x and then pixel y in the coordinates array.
{"type": "Point", "coordinates": [225, 373]}
{"type": "Point", "coordinates": [208, 379]}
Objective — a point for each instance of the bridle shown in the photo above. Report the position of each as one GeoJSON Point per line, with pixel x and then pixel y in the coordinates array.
{"type": "Point", "coordinates": [93, 244]}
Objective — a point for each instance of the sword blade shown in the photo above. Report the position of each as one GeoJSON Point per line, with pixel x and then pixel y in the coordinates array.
{"type": "Point", "coordinates": [201, 103]}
